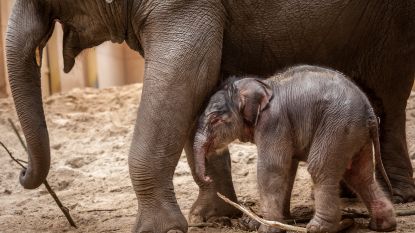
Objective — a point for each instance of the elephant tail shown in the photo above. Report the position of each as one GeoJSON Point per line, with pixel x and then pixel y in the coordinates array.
{"type": "Point", "coordinates": [374, 134]}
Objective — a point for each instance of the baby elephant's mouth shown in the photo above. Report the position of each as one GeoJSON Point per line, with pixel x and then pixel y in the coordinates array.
{"type": "Point", "coordinates": [247, 134]}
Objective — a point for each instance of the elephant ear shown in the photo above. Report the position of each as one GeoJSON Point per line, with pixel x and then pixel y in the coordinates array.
{"type": "Point", "coordinates": [252, 96]}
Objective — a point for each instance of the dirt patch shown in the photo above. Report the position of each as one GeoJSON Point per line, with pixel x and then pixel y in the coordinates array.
{"type": "Point", "coordinates": [90, 132]}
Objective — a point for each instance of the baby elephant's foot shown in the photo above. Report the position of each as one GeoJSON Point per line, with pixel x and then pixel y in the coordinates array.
{"type": "Point", "coordinates": [383, 216]}
{"type": "Point", "coordinates": [249, 224]}
{"type": "Point", "coordinates": [318, 225]}
{"type": "Point", "coordinates": [267, 229]}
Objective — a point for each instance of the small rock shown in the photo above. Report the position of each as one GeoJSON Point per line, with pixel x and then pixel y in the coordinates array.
{"type": "Point", "coordinates": [63, 185]}
{"type": "Point", "coordinates": [57, 146]}
{"type": "Point", "coordinates": [8, 192]}
{"type": "Point", "coordinates": [76, 162]}
{"type": "Point", "coordinates": [18, 212]}
{"type": "Point", "coordinates": [236, 160]}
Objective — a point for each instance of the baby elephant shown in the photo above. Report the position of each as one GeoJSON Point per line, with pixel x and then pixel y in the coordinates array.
{"type": "Point", "coordinates": [306, 113]}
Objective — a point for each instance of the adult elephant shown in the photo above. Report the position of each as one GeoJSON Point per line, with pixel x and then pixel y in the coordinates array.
{"type": "Point", "coordinates": [188, 46]}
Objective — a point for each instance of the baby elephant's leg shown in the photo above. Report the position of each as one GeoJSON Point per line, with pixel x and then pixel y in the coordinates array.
{"type": "Point", "coordinates": [326, 164]}
{"type": "Point", "coordinates": [361, 179]}
{"type": "Point", "coordinates": [273, 181]}
{"type": "Point", "coordinates": [287, 197]}
{"type": "Point", "coordinates": [327, 214]}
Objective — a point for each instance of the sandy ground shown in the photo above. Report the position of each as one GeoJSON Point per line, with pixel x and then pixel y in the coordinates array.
{"type": "Point", "coordinates": [90, 132]}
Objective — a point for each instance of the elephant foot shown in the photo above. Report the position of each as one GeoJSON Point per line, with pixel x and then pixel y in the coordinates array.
{"type": "Point", "coordinates": [317, 226]}
{"type": "Point", "coordinates": [248, 223]}
{"type": "Point", "coordinates": [160, 219]}
{"type": "Point", "coordinates": [267, 229]}
{"type": "Point", "coordinates": [382, 216]}
{"type": "Point", "coordinates": [403, 195]}
{"type": "Point", "coordinates": [403, 189]}
{"type": "Point", "coordinates": [210, 208]}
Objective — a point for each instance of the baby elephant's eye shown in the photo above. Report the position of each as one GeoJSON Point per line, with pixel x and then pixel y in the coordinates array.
{"type": "Point", "coordinates": [216, 121]}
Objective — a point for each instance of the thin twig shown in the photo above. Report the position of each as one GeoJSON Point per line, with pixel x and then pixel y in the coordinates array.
{"type": "Point", "coordinates": [356, 214]}
{"type": "Point", "coordinates": [22, 161]}
{"type": "Point", "coordinates": [405, 213]}
{"type": "Point", "coordinates": [349, 214]}
{"type": "Point", "coordinates": [263, 221]}
{"type": "Point", "coordinates": [203, 224]}
{"type": "Point", "coordinates": [64, 210]}
{"type": "Point", "coordinates": [12, 157]}
{"type": "Point", "coordinates": [17, 134]}
{"type": "Point", "coordinates": [98, 210]}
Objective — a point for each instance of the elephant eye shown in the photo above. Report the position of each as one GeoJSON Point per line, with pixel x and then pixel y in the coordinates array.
{"type": "Point", "coordinates": [216, 121]}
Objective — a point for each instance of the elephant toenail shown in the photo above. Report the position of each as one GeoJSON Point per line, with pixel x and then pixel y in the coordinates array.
{"type": "Point", "coordinates": [175, 231]}
{"type": "Point", "coordinates": [397, 199]}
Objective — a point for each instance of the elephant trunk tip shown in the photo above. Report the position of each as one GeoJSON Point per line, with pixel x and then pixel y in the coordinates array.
{"type": "Point", "coordinates": [200, 172]}
{"type": "Point", "coordinates": [28, 181]}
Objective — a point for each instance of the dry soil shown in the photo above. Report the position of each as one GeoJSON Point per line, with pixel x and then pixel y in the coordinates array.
{"type": "Point", "coordinates": [90, 133]}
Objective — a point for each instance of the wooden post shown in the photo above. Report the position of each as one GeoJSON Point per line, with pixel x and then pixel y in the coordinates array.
{"type": "Point", "coordinates": [45, 75]}
{"type": "Point", "coordinates": [110, 65]}
{"type": "Point", "coordinates": [91, 64]}
{"type": "Point", "coordinates": [118, 65]}
{"type": "Point", "coordinates": [53, 58]}
{"type": "Point", "coordinates": [3, 76]}
{"type": "Point", "coordinates": [5, 10]}
{"type": "Point", "coordinates": [60, 81]}
{"type": "Point", "coordinates": [134, 66]}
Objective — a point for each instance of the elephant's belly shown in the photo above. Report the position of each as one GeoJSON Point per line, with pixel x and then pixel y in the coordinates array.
{"type": "Point", "coordinates": [261, 38]}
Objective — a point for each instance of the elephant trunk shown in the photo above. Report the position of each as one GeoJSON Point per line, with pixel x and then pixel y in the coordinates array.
{"type": "Point", "coordinates": [27, 33]}
{"type": "Point", "coordinates": [201, 148]}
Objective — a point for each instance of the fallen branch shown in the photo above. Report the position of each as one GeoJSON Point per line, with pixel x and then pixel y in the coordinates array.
{"type": "Point", "coordinates": [64, 210]}
{"type": "Point", "coordinates": [203, 224]}
{"type": "Point", "coordinates": [356, 214]}
{"type": "Point", "coordinates": [98, 210]}
{"type": "Point", "coordinates": [18, 135]}
{"type": "Point", "coordinates": [18, 161]}
{"type": "Point", "coordinates": [263, 221]}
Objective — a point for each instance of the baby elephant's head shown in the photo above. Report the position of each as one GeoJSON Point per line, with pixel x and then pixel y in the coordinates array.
{"type": "Point", "coordinates": [232, 113]}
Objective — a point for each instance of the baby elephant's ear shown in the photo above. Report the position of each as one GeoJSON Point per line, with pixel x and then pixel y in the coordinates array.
{"type": "Point", "coordinates": [253, 96]}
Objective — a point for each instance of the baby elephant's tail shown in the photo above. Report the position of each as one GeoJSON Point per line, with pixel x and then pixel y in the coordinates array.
{"type": "Point", "coordinates": [374, 134]}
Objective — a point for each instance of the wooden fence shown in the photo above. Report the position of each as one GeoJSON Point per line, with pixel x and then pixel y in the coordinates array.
{"type": "Point", "coordinates": [106, 65]}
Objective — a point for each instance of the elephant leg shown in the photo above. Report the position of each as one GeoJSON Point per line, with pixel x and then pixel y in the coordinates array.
{"type": "Point", "coordinates": [395, 156]}
{"type": "Point", "coordinates": [275, 179]}
{"type": "Point", "coordinates": [253, 225]}
{"type": "Point", "coordinates": [159, 137]}
{"type": "Point", "coordinates": [388, 83]}
{"type": "Point", "coordinates": [182, 53]}
{"type": "Point", "coordinates": [360, 177]}
{"type": "Point", "coordinates": [327, 162]}
{"type": "Point", "coordinates": [208, 205]}
{"type": "Point", "coordinates": [287, 197]}
{"type": "Point", "coordinates": [391, 105]}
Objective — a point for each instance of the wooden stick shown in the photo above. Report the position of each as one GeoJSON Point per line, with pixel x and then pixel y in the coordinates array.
{"type": "Point", "coordinates": [203, 224]}
{"type": "Point", "coordinates": [356, 214]}
{"type": "Point", "coordinates": [263, 221]}
{"type": "Point", "coordinates": [18, 135]}
{"type": "Point", "coordinates": [12, 157]}
{"type": "Point", "coordinates": [64, 210]}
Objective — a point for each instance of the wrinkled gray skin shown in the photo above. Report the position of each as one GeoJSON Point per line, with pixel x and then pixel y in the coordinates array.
{"type": "Point", "coordinates": [306, 113]}
{"type": "Point", "coordinates": [188, 46]}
